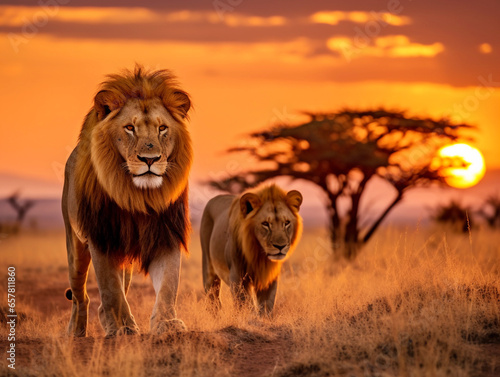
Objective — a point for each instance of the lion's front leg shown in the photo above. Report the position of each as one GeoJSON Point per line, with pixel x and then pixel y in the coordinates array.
{"type": "Point", "coordinates": [114, 312]}
{"type": "Point", "coordinates": [241, 289]}
{"type": "Point", "coordinates": [266, 298]}
{"type": "Point", "coordinates": [165, 273]}
{"type": "Point", "coordinates": [78, 262]}
{"type": "Point", "coordinates": [127, 276]}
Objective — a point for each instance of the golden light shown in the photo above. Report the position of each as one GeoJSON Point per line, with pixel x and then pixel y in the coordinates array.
{"type": "Point", "coordinates": [485, 48]}
{"type": "Point", "coordinates": [469, 175]}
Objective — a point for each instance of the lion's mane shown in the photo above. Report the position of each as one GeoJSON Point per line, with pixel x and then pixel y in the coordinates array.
{"type": "Point", "coordinates": [122, 220]}
{"type": "Point", "coordinates": [256, 263]}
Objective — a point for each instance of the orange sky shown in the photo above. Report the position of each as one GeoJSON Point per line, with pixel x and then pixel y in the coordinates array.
{"type": "Point", "coordinates": [240, 78]}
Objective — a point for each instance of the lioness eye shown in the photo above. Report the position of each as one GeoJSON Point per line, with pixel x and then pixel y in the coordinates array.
{"type": "Point", "coordinates": [287, 223]}
{"type": "Point", "coordinates": [130, 128]}
{"type": "Point", "coordinates": [265, 224]}
{"type": "Point", "coordinates": [163, 128]}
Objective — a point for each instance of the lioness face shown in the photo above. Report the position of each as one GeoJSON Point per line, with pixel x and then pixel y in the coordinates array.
{"type": "Point", "coordinates": [145, 134]}
{"type": "Point", "coordinates": [274, 227]}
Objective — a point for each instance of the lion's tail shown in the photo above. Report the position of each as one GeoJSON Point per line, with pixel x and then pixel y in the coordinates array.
{"type": "Point", "coordinates": [69, 294]}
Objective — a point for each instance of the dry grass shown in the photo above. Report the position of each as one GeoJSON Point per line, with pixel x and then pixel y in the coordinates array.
{"type": "Point", "coordinates": [415, 303]}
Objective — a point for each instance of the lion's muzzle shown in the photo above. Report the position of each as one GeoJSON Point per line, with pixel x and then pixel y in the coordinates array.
{"type": "Point", "coordinates": [148, 160]}
{"type": "Point", "coordinates": [278, 252]}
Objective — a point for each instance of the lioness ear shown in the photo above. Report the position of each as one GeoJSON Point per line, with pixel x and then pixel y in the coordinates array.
{"type": "Point", "coordinates": [294, 199]}
{"type": "Point", "coordinates": [248, 203]}
{"type": "Point", "coordinates": [104, 103]}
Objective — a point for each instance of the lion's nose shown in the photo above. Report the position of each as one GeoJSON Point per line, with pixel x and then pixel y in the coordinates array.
{"type": "Point", "coordinates": [279, 247]}
{"type": "Point", "coordinates": [149, 160]}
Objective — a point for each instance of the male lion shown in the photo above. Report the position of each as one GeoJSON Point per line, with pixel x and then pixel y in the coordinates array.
{"type": "Point", "coordinates": [125, 199]}
{"type": "Point", "coordinates": [245, 240]}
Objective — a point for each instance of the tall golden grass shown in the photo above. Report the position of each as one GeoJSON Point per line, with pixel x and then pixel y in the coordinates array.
{"type": "Point", "coordinates": [417, 302]}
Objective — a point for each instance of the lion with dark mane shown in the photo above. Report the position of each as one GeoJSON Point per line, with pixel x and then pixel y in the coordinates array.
{"type": "Point", "coordinates": [125, 199]}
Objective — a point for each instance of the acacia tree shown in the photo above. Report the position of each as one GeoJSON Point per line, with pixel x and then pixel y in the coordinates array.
{"type": "Point", "coordinates": [340, 153]}
{"type": "Point", "coordinates": [21, 208]}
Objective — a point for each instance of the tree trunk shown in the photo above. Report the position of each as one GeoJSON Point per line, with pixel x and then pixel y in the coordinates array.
{"type": "Point", "coordinates": [333, 215]}
{"type": "Point", "coordinates": [341, 248]}
{"type": "Point", "coordinates": [345, 244]}
{"type": "Point", "coordinates": [352, 249]}
{"type": "Point", "coordinates": [382, 217]}
{"type": "Point", "coordinates": [351, 239]}
{"type": "Point", "coordinates": [335, 230]}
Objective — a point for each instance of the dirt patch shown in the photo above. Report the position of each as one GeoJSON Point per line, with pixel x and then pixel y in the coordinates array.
{"type": "Point", "coordinates": [253, 353]}
{"type": "Point", "coordinates": [490, 352]}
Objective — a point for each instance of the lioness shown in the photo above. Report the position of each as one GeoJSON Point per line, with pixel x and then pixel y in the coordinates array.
{"type": "Point", "coordinates": [125, 199]}
{"type": "Point", "coordinates": [245, 240]}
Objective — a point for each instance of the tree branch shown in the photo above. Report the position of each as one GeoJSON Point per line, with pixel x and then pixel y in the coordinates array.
{"type": "Point", "coordinates": [377, 223]}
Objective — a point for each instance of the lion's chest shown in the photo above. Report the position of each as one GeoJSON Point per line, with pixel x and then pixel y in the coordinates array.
{"type": "Point", "coordinates": [125, 235]}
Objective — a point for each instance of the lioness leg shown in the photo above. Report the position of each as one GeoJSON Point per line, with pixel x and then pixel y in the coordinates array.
{"type": "Point", "coordinates": [78, 264]}
{"type": "Point", "coordinates": [165, 273]}
{"type": "Point", "coordinates": [266, 298]}
{"type": "Point", "coordinates": [114, 312]}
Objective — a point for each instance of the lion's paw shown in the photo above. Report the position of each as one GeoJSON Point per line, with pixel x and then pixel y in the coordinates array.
{"type": "Point", "coordinates": [168, 326]}
{"type": "Point", "coordinates": [128, 330]}
{"type": "Point", "coordinates": [124, 330]}
{"type": "Point", "coordinates": [77, 333]}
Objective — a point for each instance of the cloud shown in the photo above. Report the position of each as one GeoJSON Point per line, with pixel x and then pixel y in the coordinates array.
{"type": "Point", "coordinates": [11, 15]}
{"type": "Point", "coordinates": [21, 15]}
{"type": "Point", "coordinates": [358, 17]}
{"type": "Point", "coordinates": [392, 46]}
{"type": "Point", "coordinates": [239, 20]}
{"type": "Point", "coordinates": [461, 29]}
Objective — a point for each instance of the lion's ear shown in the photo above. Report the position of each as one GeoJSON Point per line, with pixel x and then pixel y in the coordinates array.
{"type": "Point", "coordinates": [182, 102]}
{"type": "Point", "coordinates": [249, 202]}
{"type": "Point", "coordinates": [294, 199]}
{"type": "Point", "coordinates": [178, 103]}
{"type": "Point", "coordinates": [104, 103]}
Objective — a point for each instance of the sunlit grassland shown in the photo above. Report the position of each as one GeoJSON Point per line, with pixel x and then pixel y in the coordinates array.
{"type": "Point", "coordinates": [417, 302]}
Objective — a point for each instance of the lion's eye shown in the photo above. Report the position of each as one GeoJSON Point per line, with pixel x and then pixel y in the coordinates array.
{"type": "Point", "coordinates": [265, 224]}
{"type": "Point", "coordinates": [130, 128]}
{"type": "Point", "coordinates": [163, 128]}
{"type": "Point", "coordinates": [287, 223]}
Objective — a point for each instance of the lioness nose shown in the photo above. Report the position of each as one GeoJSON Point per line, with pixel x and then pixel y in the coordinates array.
{"type": "Point", "coordinates": [149, 160]}
{"type": "Point", "coordinates": [279, 247]}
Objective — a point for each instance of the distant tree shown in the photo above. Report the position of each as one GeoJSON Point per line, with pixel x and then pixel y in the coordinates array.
{"type": "Point", "coordinates": [340, 153]}
{"type": "Point", "coordinates": [491, 211]}
{"type": "Point", "coordinates": [455, 214]}
{"type": "Point", "coordinates": [21, 208]}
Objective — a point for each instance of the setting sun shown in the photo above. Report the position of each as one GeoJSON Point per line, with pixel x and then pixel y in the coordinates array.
{"type": "Point", "coordinates": [469, 175]}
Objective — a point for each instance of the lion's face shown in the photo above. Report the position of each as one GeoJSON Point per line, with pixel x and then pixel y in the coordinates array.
{"type": "Point", "coordinates": [145, 134]}
{"type": "Point", "coordinates": [275, 223]}
{"type": "Point", "coordinates": [135, 147]}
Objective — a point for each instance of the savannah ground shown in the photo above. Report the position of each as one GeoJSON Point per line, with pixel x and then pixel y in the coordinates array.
{"type": "Point", "coordinates": [417, 302]}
